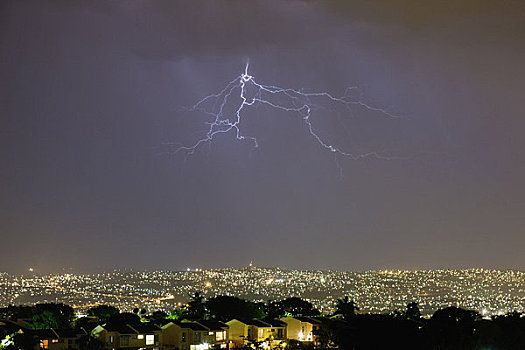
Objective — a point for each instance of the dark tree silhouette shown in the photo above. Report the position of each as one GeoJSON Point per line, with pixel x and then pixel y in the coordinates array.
{"type": "Point", "coordinates": [412, 312]}
{"type": "Point", "coordinates": [452, 328]}
{"type": "Point", "coordinates": [176, 314]}
{"type": "Point", "coordinates": [291, 306]}
{"type": "Point", "coordinates": [225, 308]}
{"type": "Point", "coordinates": [346, 307]}
{"type": "Point", "coordinates": [123, 319]}
{"type": "Point", "coordinates": [376, 331]}
{"type": "Point", "coordinates": [506, 332]}
{"type": "Point", "coordinates": [196, 309]}
{"type": "Point", "coordinates": [158, 318]}
{"type": "Point", "coordinates": [103, 312]}
{"type": "Point", "coordinates": [52, 315]}
{"type": "Point", "coordinates": [15, 312]}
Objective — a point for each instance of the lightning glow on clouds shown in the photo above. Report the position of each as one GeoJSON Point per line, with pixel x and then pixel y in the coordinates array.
{"type": "Point", "coordinates": [228, 108]}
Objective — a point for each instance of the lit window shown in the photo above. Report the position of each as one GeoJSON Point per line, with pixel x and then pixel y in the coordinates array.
{"type": "Point", "coordinates": [54, 340]}
{"type": "Point", "coordinates": [261, 333]}
{"type": "Point", "coordinates": [44, 344]}
{"type": "Point", "coordinates": [220, 336]}
{"type": "Point", "coordinates": [140, 336]}
{"type": "Point", "coordinates": [210, 333]}
{"type": "Point", "coordinates": [150, 339]}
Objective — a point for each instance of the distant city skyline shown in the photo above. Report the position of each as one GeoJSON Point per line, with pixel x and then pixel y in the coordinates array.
{"type": "Point", "coordinates": [96, 102]}
{"type": "Point", "coordinates": [490, 292]}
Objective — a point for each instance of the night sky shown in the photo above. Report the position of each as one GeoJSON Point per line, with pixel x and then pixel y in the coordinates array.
{"type": "Point", "coordinates": [94, 95]}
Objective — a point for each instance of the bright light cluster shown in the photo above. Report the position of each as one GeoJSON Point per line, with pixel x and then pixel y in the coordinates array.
{"type": "Point", "coordinates": [491, 292]}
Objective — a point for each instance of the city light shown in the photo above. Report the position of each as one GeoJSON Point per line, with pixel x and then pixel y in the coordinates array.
{"type": "Point", "coordinates": [490, 292]}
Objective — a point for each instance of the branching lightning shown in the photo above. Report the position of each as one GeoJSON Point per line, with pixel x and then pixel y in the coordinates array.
{"type": "Point", "coordinates": [289, 100]}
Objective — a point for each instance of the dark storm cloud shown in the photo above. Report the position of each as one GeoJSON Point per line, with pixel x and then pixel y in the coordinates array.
{"type": "Point", "coordinates": [92, 90]}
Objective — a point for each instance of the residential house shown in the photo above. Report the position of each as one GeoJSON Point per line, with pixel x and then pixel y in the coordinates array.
{"type": "Point", "coordinates": [50, 339]}
{"type": "Point", "coordinates": [218, 334]}
{"type": "Point", "coordinates": [122, 336]}
{"type": "Point", "coordinates": [267, 334]}
{"type": "Point", "coordinates": [302, 328]}
{"type": "Point", "coordinates": [194, 336]}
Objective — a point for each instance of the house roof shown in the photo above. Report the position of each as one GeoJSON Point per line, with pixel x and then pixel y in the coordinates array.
{"type": "Point", "coordinates": [10, 326]}
{"type": "Point", "coordinates": [42, 333]}
{"type": "Point", "coordinates": [69, 332]}
{"type": "Point", "coordinates": [193, 326]}
{"type": "Point", "coordinates": [311, 320]}
{"type": "Point", "coordinates": [213, 325]}
{"type": "Point", "coordinates": [274, 322]}
{"type": "Point", "coordinates": [120, 328]}
{"type": "Point", "coordinates": [56, 333]}
{"type": "Point", "coordinates": [256, 323]}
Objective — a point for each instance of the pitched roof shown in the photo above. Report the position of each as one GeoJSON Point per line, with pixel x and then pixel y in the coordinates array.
{"type": "Point", "coordinates": [42, 333]}
{"type": "Point", "coordinates": [274, 322]}
{"type": "Point", "coordinates": [10, 326]}
{"type": "Point", "coordinates": [145, 327]}
{"type": "Point", "coordinates": [213, 325]}
{"type": "Point", "coordinates": [193, 326]}
{"type": "Point", "coordinates": [307, 319]}
{"type": "Point", "coordinates": [257, 323]}
{"type": "Point", "coordinates": [69, 332]}
{"type": "Point", "coordinates": [120, 328]}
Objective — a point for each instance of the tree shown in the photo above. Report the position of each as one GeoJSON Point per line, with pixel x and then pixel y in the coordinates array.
{"type": "Point", "coordinates": [123, 319]}
{"type": "Point", "coordinates": [196, 309]}
{"type": "Point", "coordinates": [15, 312]}
{"type": "Point", "coordinates": [44, 320]}
{"type": "Point", "coordinates": [103, 312]}
{"type": "Point", "coordinates": [158, 318]}
{"type": "Point", "coordinates": [176, 314]}
{"type": "Point", "coordinates": [225, 308]}
{"type": "Point", "coordinates": [346, 307]}
{"type": "Point", "coordinates": [412, 312]}
{"type": "Point", "coordinates": [452, 328]}
{"type": "Point", "coordinates": [503, 332]}
{"type": "Point", "coordinates": [7, 341]}
{"type": "Point", "coordinates": [52, 315]}
{"type": "Point", "coordinates": [291, 306]}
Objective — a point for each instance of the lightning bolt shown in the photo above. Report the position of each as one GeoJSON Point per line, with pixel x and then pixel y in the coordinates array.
{"type": "Point", "coordinates": [295, 101]}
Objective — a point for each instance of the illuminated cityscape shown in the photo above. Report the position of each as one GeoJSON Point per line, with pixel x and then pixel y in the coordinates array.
{"type": "Point", "coordinates": [490, 292]}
